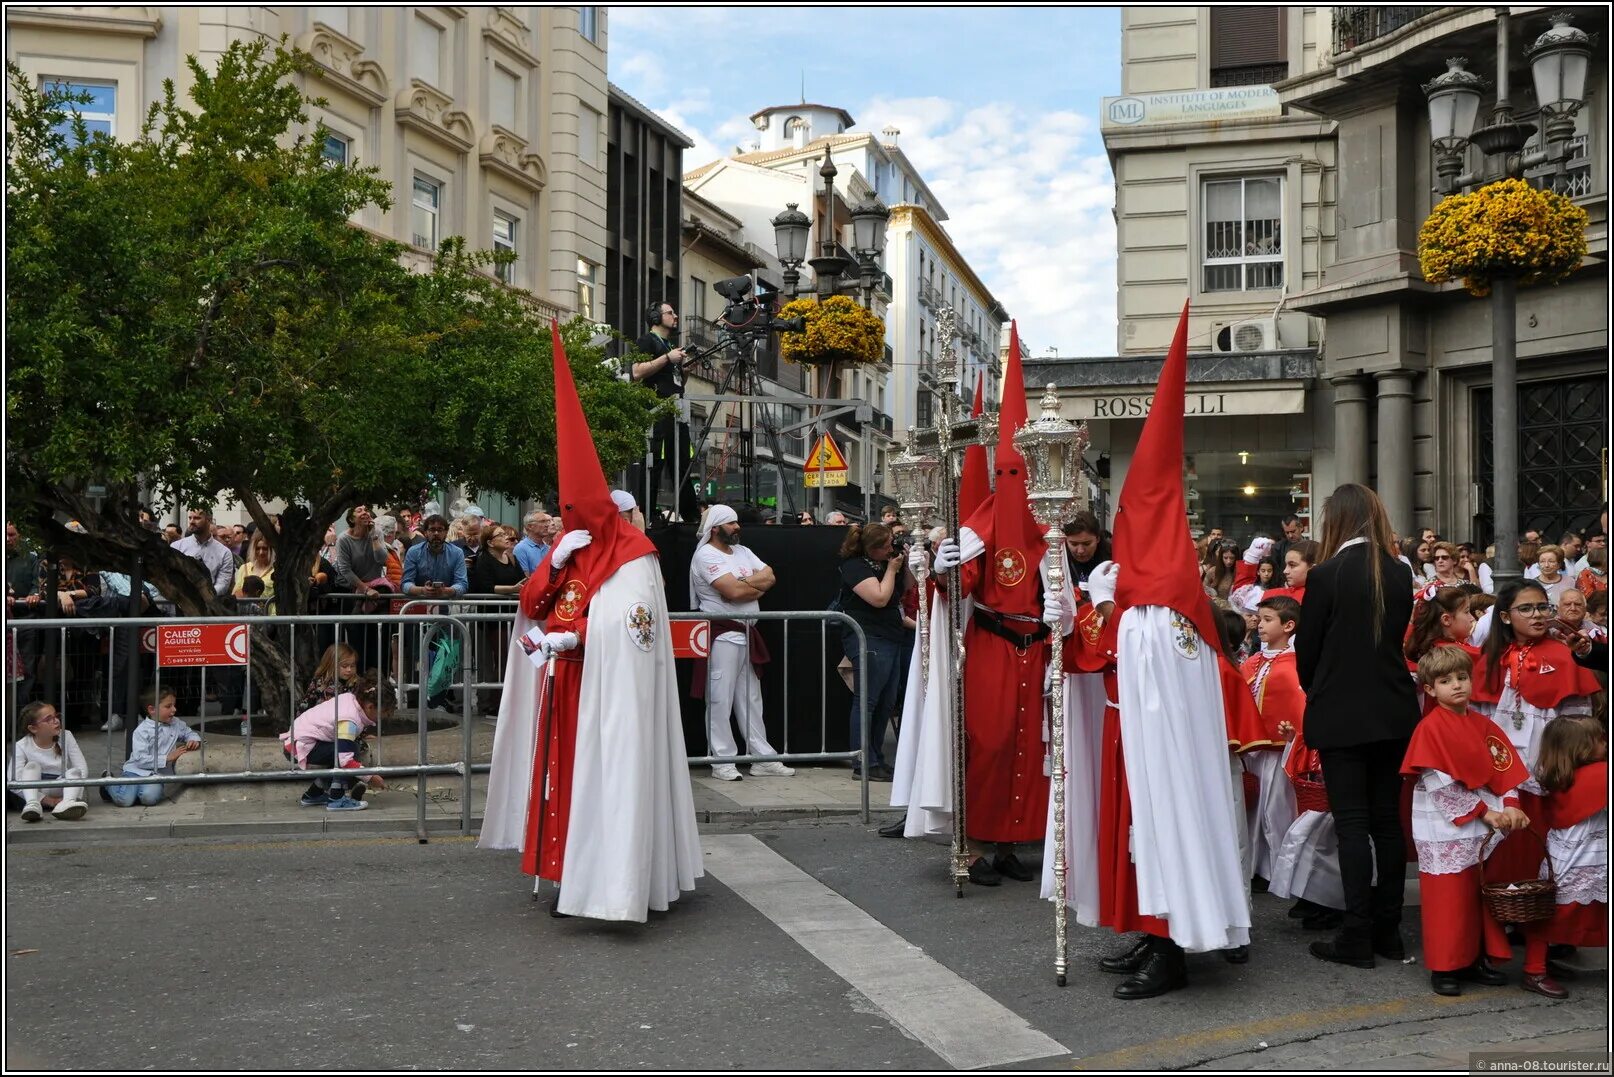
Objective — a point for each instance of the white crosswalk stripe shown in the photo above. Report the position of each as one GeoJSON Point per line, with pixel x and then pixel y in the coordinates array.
{"type": "Point", "coordinates": [961, 1023]}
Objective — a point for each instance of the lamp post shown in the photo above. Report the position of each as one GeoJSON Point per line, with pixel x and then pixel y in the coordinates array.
{"type": "Point", "coordinates": [1558, 61]}
{"type": "Point", "coordinates": [790, 234]}
{"type": "Point", "coordinates": [1052, 448]}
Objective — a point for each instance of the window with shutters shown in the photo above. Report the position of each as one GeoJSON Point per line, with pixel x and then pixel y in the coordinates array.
{"type": "Point", "coordinates": [1243, 230]}
{"type": "Point", "coordinates": [1248, 46]}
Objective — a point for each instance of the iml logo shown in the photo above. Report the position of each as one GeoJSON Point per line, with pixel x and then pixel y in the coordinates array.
{"type": "Point", "coordinates": [1126, 110]}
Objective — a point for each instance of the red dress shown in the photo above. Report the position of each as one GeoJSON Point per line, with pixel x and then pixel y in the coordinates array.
{"type": "Point", "coordinates": [1572, 923]}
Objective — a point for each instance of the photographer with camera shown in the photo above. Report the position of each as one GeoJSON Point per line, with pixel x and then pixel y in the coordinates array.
{"type": "Point", "coordinates": [663, 373]}
{"type": "Point", "coordinates": [873, 579]}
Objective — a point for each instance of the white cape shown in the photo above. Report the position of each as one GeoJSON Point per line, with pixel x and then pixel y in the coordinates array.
{"type": "Point", "coordinates": [1306, 864]}
{"type": "Point", "coordinates": [504, 820]}
{"type": "Point", "coordinates": [1185, 834]}
{"type": "Point", "coordinates": [632, 843]}
{"type": "Point", "coordinates": [1084, 745]}
{"type": "Point", "coordinates": [1274, 810]}
{"type": "Point", "coordinates": [922, 780]}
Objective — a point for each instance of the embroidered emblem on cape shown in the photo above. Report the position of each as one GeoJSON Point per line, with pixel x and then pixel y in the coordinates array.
{"type": "Point", "coordinates": [1092, 626]}
{"type": "Point", "coordinates": [1545, 668]}
{"type": "Point", "coordinates": [1184, 636]}
{"type": "Point", "coordinates": [1009, 566]}
{"type": "Point", "coordinates": [1501, 753]}
{"type": "Point", "coordinates": [571, 601]}
{"type": "Point", "coordinates": [641, 626]}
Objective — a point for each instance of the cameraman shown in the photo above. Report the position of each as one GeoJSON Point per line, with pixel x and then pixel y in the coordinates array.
{"type": "Point", "coordinates": [873, 578]}
{"type": "Point", "coordinates": [663, 372]}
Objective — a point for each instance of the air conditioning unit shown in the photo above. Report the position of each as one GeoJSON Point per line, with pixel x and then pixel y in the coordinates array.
{"type": "Point", "coordinates": [1260, 334]}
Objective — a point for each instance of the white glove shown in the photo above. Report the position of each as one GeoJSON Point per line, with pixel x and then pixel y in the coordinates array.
{"type": "Point", "coordinates": [555, 643]}
{"type": "Point", "coordinates": [1101, 584]}
{"type": "Point", "coordinates": [1258, 551]}
{"type": "Point", "coordinates": [916, 559]}
{"type": "Point", "coordinates": [569, 543]}
{"type": "Point", "coordinates": [948, 556]}
{"type": "Point", "coordinates": [1052, 608]}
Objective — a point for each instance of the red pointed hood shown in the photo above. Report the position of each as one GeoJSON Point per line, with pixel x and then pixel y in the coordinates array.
{"type": "Point", "coordinates": [1159, 565]}
{"type": "Point", "coordinates": [585, 499]}
{"type": "Point", "coordinates": [972, 484]}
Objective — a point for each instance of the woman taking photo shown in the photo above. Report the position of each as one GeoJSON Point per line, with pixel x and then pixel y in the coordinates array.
{"type": "Point", "coordinates": [1223, 564]}
{"type": "Point", "coordinates": [1360, 712]}
{"type": "Point", "coordinates": [872, 580]}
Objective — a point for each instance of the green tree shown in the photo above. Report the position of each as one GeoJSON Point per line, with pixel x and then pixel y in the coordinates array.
{"type": "Point", "coordinates": [193, 311]}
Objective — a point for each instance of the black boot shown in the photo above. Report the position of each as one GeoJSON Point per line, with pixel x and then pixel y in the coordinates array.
{"type": "Point", "coordinates": [1387, 942]}
{"type": "Point", "coordinates": [1238, 955]}
{"type": "Point", "coordinates": [1352, 946]}
{"type": "Point", "coordinates": [894, 830]}
{"type": "Point", "coordinates": [1131, 961]}
{"type": "Point", "coordinates": [1007, 864]}
{"type": "Point", "coordinates": [1481, 972]}
{"type": "Point", "coordinates": [1165, 969]}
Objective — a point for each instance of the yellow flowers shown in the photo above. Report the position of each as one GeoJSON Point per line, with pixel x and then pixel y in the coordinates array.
{"type": "Point", "coordinates": [837, 329]}
{"type": "Point", "coordinates": [1507, 228]}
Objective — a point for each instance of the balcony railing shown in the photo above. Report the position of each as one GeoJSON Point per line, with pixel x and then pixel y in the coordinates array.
{"type": "Point", "coordinates": [1356, 26]}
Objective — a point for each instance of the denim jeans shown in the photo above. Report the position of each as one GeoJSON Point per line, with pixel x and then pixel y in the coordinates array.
{"type": "Point", "coordinates": [884, 674]}
{"type": "Point", "coordinates": [124, 796]}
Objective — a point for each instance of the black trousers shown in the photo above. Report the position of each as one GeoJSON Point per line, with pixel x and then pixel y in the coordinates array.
{"type": "Point", "coordinates": [1364, 791]}
{"type": "Point", "coordinates": [670, 455]}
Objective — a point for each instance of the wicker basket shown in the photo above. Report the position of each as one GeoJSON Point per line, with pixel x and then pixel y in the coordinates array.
{"type": "Point", "coordinates": [1310, 793]}
{"type": "Point", "coordinates": [1527, 901]}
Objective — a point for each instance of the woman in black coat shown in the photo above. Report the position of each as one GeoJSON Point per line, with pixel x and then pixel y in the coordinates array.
{"type": "Point", "coordinates": [1361, 707]}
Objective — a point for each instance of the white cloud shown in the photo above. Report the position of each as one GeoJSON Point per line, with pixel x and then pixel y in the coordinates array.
{"type": "Point", "coordinates": [1028, 197]}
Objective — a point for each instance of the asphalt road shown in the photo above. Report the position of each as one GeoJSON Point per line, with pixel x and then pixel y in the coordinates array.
{"type": "Point", "coordinates": [817, 946]}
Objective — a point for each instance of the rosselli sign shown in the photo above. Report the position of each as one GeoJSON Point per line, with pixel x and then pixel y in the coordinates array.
{"type": "Point", "coordinates": [1192, 106]}
{"type": "Point", "coordinates": [1129, 404]}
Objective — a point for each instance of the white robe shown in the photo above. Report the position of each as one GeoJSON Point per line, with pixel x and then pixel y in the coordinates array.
{"type": "Point", "coordinates": [632, 843]}
{"type": "Point", "coordinates": [1084, 747]}
{"type": "Point", "coordinates": [1274, 810]}
{"type": "Point", "coordinates": [1185, 833]}
{"type": "Point", "coordinates": [1306, 864]}
{"type": "Point", "coordinates": [922, 780]}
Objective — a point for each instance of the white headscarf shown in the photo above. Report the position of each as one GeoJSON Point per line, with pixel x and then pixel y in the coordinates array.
{"type": "Point", "coordinates": [623, 500]}
{"type": "Point", "coordinates": [716, 516]}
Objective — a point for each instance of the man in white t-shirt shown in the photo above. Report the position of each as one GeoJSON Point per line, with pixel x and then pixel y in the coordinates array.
{"type": "Point", "coordinates": [727, 579]}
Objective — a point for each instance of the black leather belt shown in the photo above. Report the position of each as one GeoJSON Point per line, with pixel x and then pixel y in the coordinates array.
{"type": "Point", "coordinates": [999, 625]}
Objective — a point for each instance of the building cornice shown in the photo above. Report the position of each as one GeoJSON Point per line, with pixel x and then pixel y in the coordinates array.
{"type": "Point", "coordinates": [1199, 133]}
{"type": "Point", "coordinates": [338, 58]}
{"type": "Point", "coordinates": [505, 152]}
{"type": "Point", "coordinates": [136, 21]}
{"type": "Point", "coordinates": [422, 107]}
{"type": "Point", "coordinates": [1256, 368]}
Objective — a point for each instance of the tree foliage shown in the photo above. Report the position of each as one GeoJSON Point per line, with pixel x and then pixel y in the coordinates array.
{"type": "Point", "coordinates": [193, 312]}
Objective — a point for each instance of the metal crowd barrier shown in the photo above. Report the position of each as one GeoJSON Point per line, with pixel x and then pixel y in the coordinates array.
{"type": "Point", "coordinates": [483, 659]}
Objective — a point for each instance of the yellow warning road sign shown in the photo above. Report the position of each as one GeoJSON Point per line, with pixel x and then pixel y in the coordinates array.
{"type": "Point", "coordinates": [825, 465]}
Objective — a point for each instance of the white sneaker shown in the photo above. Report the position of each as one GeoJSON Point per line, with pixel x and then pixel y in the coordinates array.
{"type": "Point", "coordinates": [70, 809]}
{"type": "Point", "coordinates": [726, 772]}
{"type": "Point", "coordinates": [32, 814]}
{"type": "Point", "coordinates": [771, 770]}
{"type": "Point", "coordinates": [112, 724]}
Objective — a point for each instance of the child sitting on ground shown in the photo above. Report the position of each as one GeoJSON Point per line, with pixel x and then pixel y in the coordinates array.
{"type": "Point", "coordinates": [329, 736]}
{"type": "Point", "coordinates": [159, 740]}
{"type": "Point", "coordinates": [1468, 778]}
{"type": "Point", "coordinates": [44, 751]}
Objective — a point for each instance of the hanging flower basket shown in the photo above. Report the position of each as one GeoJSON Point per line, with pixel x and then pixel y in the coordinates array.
{"type": "Point", "coordinates": [1504, 229]}
{"type": "Point", "coordinates": [838, 331]}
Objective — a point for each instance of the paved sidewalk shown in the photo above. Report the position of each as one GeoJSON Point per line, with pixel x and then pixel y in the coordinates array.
{"type": "Point", "coordinates": [267, 808]}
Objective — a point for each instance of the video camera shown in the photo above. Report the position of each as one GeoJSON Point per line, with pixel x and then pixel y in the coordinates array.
{"type": "Point", "coordinates": [748, 316]}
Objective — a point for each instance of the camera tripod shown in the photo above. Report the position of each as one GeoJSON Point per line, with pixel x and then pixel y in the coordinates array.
{"type": "Point", "coordinates": [741, 379]}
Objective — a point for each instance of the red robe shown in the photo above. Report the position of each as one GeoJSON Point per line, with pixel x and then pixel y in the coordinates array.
{"type": "Point", "coordinates": [1005, 786]}
{"type": "Point", "coordinates": [560, 600]}
{"type": "Point", "coordinates": [1577, 925]}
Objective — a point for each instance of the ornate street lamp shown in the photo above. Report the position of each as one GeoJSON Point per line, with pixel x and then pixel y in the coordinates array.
{"type": "Point", "coordinates": [1053, 447]}
{"type": "Point", "coordinates": [1558, 63]}
{"type": "Point", "coordinates": [1559, 60]}
{"type": "Point", "coordinates": [790, 231]}
{"type": "Point", "coordinates": [868, 241]}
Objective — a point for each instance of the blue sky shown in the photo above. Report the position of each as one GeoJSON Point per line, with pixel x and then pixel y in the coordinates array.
{"type": "Point", "coordinates": [998, 108]}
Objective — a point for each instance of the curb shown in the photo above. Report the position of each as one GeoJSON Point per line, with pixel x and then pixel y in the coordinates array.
{"type": "Point", "coordinates": [325, 826]}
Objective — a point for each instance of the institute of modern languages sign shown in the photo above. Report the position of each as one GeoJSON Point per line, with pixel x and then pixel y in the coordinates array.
{"type": "Point", "coordinates": [1192, 106]}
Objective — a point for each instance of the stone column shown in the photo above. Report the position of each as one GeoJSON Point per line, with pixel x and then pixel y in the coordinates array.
{"type": "Point", "coordinates": [1350, 431]}
{"type": "Point", "coordinates": [1395, 447]}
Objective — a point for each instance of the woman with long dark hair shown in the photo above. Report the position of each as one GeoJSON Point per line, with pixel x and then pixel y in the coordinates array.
{"type": "Point", "coordinates": [872, 581]}
{"type": "Point", "coordinates": [1360, 711]}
